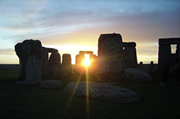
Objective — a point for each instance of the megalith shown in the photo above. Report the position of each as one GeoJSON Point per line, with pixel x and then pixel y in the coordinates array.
{"type": "Point", "coordinates": [54, 64]}
{"type": "Point", "coordinates": [79, 63]}
{"type": "Point", "coordinates": [129, 55]}
{"type": "Point", "coordinates": [151, 67]}
{"type": "Point", "coordinates": [30, 56]}
{"type": "Point", "coordinates": [80, 67]}
{"type": "Point", "coordinates": [110, 48]}
{"type": "Point", "coordinates": [45, 61]}
{"type": "Point", "coordinates": [66, 68]}
{"type": "Point", "coordinates": [165, 57]}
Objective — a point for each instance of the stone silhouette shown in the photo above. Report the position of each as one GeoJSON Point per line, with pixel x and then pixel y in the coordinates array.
{"type": "Point", "coordinates": [129, 55]}
{"type": "Point", "coordinates": [30, 55]}
{"type": "Point", "coordinates": [151, 67]}
{"type": "Point", "coordinates": [165, 56]}
{"type": "Point", "coordinates": [137, 75]}
{"type": "Point", "coordinates": [79, 66]}
{"type": "Point", "coordinates": [141, 65]}
{"type": "Point", "coordinates": [54, 64]}
{"type": "Point", "coordinates": [114, 56]}
{"type": "Point", "coordinates": [66, 65]}
{"type": "Point", "coordinates": [34, 61]}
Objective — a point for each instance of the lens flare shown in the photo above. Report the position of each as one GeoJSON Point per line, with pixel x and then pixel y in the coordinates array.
{"type": "Point", "coordinates": [87, 91]}
{"type": "Point", "coordinates": [86, 61]}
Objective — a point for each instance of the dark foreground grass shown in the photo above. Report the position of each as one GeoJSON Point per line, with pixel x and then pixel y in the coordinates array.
{"type": "Point", "coordinates": [38, 103]}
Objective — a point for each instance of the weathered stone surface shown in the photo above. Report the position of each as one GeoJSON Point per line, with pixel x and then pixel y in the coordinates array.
{"type": "Point", "coordinates": [54, 59]}
{"type": "Point", "coordinates": [129, 55]}
{"type": "Point", "coordinates": [164, 56]}
{"type": "Point", "coordinates": [45, 61]}
{"type": "Point", "coordinates": [30, 56]}
{"type": "Point", "coordinates": [27, 83]}
{"type": "Point", "coordinates": [110, 48]}
{"type": "Point", "coordinates": [137, 75]}
{"type": "Point", "coordinates": [79, 63]}
{"type": "Point", "coordinates": [51, 84]}
{"type": "Point", "coordinates": [33, 69]}
{"type": "Point", "coordinates": [101, 91]}
{"type": "Point", "coordinates": [54, 64]}
{"type": "Point", "coordinates": [66, 68]}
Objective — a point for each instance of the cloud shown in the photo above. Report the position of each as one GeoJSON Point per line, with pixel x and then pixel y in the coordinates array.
{"type": "Point", "coordinates": [7, 51]}
{"type": "Point", "coordinates": [81, 22]}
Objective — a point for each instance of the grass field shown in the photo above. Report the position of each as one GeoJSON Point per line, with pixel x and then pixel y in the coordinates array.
{"type": "Point", "coordinates": [38, 103]}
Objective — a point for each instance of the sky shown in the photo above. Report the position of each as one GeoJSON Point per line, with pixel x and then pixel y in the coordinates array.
{"type": "Point", "coordinates": [74, 25]}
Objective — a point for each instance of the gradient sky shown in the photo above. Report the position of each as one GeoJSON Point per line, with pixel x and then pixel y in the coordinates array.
{"type": "Point", "coordinates": [74, 25]}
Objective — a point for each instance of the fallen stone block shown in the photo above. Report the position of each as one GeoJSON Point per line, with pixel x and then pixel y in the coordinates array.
{"type": "Point", "coordinates": [101, 91]}
{"type": "Point", "coordinates": [137, 75]}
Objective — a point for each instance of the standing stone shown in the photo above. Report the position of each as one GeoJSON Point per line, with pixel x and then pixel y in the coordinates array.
{"type": "Point", "coordinates": [141, 65]}
{"type": "Point", "coordinates": [129, 55]}
{"type": "Point", "coordinates": [93, 63]}
{"type": "Point", "coordinates": [33, 69]}
{"type": "Point", "coordinates": [30, 55]}
{"type": "Point", "coordinates": [164, 55]}
{"type": "Point", "coordinates": [110, 50]}
{"type": "Point", "coordinates": [178, 52]}
{"type": "Point", "coordinates": [54, 64]}
{"type": "Point", "coordinates": [151, 68]}
{"type": "Point", "coordinates": [66, 64]}
{"type": "Point", "coordinates": [45, 61]}
{"type": "Point", "coordinates": [79, 63]}
{"type": "Point", "coordinates": [22, 61]}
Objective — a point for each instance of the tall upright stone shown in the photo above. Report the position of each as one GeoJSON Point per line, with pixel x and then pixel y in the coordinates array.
{"type": "Point", "coordinates": [93, 63]}
{"type": "Point", "coordinates": [66, 65]}
{"type": "Point", "coordinates": [129, 55]}
{"type": "Point", "coordinates": [54, 64]}
{"type": "Point", "coordinates": [30, 55]}
{"type": "Point", "coordinates": [45, 58]}
{"type": "Point", "coordinates": [79, 63]}
{"type": "Point", "coordinates": [110, 48]}
{"type": "Point", "coordinates": [165, 57]}
{"type": "Point", "coordinates": [151, 67]}
{"type": "Point", "coordinates": [178, 52]}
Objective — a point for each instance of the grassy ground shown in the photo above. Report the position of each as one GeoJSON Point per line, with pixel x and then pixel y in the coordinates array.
{"type": "Point", "coordinates": [35, 103]}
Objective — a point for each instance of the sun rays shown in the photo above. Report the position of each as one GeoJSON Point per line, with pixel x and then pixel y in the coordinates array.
{"type": "Point", "coordinates": [86, 61]}
{"type": "Point", "coordinates": [75, 88]}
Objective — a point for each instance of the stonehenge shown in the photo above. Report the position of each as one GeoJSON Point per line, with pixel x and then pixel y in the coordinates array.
{"type": "Point", "coordinates": [66, 68]}
{"type": "Point", "coordinates": [114, 56]}
{"type": "Point", "coordinates": [165, 57]}
{"type": "Point", "coordinates": [79, 66]}
{"type": "Point", "coordinates": [34, 63]}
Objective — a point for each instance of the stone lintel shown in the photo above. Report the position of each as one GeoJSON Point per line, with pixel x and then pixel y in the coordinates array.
{"type": "Point", "coordinates": [166, 41]}
{"type": "Point", "coordinates": [86, 52]}
{"type": "Point", "coordinates": [52, 50]}
{"type": "Point", "coordinates": [129, 44]}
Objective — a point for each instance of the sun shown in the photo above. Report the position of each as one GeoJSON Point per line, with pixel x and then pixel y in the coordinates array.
{"type": "Point", "coordinates": [86, 61]}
